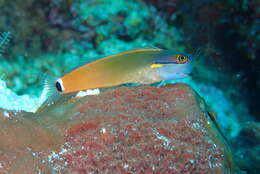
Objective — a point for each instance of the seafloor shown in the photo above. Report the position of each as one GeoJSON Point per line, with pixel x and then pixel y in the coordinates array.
{"type": "Point", "coordinates": [50, 38]}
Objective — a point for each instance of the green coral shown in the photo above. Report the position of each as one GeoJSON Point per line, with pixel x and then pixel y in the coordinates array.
{"type": "Point", "coordinates": [125, 25]}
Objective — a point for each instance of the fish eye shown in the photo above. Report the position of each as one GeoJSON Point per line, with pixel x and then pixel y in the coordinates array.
{"type": "Point", "coordinates": [182, 59]}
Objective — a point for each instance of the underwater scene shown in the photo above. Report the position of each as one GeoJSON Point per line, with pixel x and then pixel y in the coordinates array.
{"type": "Point", "coordinates": [129, 86]}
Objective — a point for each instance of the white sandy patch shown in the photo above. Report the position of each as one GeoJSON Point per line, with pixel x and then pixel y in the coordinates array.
{"type": "Point", "coordinates": [88, 92]}
{"type": "Point", "coordinates": [11, 101]}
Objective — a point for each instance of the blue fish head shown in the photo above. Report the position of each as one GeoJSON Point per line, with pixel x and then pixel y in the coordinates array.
{"type": "Point", "coordinates": [178, 66]}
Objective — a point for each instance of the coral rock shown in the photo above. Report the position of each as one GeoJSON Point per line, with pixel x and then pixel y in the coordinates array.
{"type": "Point", "coordinates": [130, 130]}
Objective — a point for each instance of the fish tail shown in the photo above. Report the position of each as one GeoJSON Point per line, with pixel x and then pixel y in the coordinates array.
{"type": "Point", "coordinates": [49, 94]}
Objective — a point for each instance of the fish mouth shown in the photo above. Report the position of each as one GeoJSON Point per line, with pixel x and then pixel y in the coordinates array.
{"type": "Point", "coordinates": [184, 74]}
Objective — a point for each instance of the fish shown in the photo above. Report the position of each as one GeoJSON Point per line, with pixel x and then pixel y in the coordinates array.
{"type": "Point", "coordinates": [141, 66]}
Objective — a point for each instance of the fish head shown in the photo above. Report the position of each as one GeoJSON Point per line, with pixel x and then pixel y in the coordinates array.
{"type": "Point", "coordinates": [173, 65]}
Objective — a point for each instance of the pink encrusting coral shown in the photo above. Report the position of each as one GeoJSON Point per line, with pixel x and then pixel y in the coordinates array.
{"type": "Point", "coordinates": [143, 130]}
{"type": "Point", "coordinates": [126, 130]}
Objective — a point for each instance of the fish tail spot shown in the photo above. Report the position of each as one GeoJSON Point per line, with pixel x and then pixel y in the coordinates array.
{"type": "Point", "coordinates": [59, 85]}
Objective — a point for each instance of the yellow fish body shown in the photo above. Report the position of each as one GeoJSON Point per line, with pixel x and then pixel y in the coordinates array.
{"type": "Point", "coordinates": [142, 66]}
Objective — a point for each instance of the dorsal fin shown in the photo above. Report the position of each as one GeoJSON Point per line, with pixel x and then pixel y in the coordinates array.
{"type": "Point", "coordinates": [84, 61]}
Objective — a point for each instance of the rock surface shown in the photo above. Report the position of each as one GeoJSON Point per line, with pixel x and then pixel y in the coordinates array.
{"type": "Point", "coordinates": [123, 130]}
{"type": "Point", "coordinates": [248, 149]}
